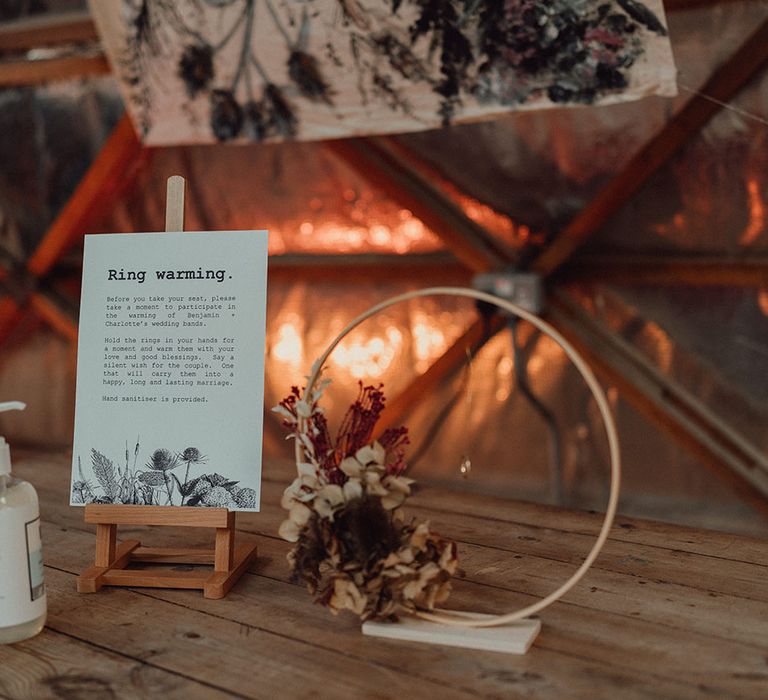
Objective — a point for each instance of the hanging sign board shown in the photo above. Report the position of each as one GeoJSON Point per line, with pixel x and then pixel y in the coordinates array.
{"type": "Point", "coordinates": [170, 370]}
{"type": "Point", "coordinates": [200, 72]}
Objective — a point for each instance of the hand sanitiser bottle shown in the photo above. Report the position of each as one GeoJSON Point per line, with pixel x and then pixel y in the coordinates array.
{"type": "Point", "coordinates": [23, 604]}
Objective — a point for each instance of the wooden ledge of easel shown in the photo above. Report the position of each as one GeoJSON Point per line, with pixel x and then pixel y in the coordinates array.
{"type": "Point", "coordinates": [109, 568]}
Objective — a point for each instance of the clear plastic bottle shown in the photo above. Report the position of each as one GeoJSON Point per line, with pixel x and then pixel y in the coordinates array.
{"type": "Point", "coordinates": [23, 605]}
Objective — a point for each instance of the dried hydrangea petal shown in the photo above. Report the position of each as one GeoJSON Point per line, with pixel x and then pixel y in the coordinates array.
{"type": "Point", "coordinates": [371, 454]}
{"type": "Point", "coordinates": [420, 536]}
{"type": "Point", "coordinates": [289, 531]}
{"type": "Point", "coordinates": [398, 483]}
{"type": "Point", "coordinates": [300, 514]}
{"type": "Point", "coordinates": [393, 500]}
{"type": "Point", "coordinates": [328, 499]}
{"type": "Point", "coordinates": [351, 467]}
{"type": "Point", "coordinates": [352, 489]}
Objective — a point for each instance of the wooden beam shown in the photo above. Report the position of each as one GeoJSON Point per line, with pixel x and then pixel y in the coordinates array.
{"type": "Point", "coordinates": [723, 85]}
{"type": "Point", "coordinates": [711, 271]}
{"type": "Point", "coordinates": [448, 191]}
{"type": "Point", "coordinates": [49, 70]}
{"type": "Point", "coordinates": [471, 340]}
{"type": "Point", "coordinates": [91, 198]}
{"type": "Point", "coordinates": [436, 268]}
{"type": "Point", "coordinates": [61, 319]}
{"type": "Point", "coordinates": [668, 405]}
{"type": "Point", "coordinates": [22, 288]}
{"type": "Point", "coordinates": [468, 241]}
{"type": "Point", "coordinates": [47, 29]}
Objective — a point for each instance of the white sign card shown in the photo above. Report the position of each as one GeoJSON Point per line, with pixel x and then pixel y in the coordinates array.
{"type": "Point", "coordinates": [170, 370]}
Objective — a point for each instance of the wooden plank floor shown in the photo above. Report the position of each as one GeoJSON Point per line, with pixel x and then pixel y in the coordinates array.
{"type": "Point", "coordinates": [667, 612]}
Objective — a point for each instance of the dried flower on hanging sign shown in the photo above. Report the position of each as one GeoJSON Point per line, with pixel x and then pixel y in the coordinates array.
{"type": "Point", "coordinates": [354, 549]}
{"type": "Point", "coordinates": [196, 68]}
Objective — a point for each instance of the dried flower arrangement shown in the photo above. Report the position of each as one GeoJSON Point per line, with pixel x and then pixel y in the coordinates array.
{"type": "Point", "coordinates": [354, 548]}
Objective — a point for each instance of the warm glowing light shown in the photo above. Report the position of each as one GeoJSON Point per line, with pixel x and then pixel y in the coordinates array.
{"type": "Point", "coordinates": [276, 244]}
{"type": "Point", "coordinates": [429, 341]}
{"type": "Point", "coordinates": [505, 366]}
{"type": "Point", "coordinates": [289, 347]}
{"type": "Point", "coordinates": [380, 235]}
{"type": "Point", "coordinates": [498, 224]}
{"type": "Point", "coordinates": [359, 231]}
{"type": "Point", "coordinates": [365, 358]}
{"type": "Point", "coordinates": [536, 364]}
{"type": "Point", "coordinates": [662, 346]}
{"type": "Point", "coordinates": [762, 300]}
{"type": "Point", "coordinates": [756, 223]}
{"type": "Point", "coordinates": [677, 225]}
{"type": "Point", "coordinates": [394, 336]}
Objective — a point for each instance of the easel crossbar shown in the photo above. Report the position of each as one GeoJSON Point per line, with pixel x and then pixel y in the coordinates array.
{"type": "Point", "coordinates": [158, 515]}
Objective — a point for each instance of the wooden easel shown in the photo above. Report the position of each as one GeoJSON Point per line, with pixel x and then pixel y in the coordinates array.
{"type": "Point", "coordinates": [111, 561]}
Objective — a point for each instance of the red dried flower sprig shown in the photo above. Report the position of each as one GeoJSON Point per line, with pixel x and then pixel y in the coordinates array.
{"type": "Point", "coordinates": [355, 431]}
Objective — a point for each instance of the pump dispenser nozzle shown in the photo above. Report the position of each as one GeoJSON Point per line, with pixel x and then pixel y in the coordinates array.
{"type": "Point", "coordinates": [5, 451]}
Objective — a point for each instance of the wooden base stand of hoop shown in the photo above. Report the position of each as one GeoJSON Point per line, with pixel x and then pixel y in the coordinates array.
{"type": "Point", "coordinates": [111, 561]}
{"type": "Point", "coordinates": [514, 638]}
{"type": "Point", "coordinates": [512, 632]}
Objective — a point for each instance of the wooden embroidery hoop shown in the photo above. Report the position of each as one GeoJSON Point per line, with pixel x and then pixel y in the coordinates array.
{"type": "Point", "coordinates": [476, 620]}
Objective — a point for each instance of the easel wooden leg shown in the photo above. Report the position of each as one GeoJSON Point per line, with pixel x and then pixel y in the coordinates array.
{"type": "Point", "coordinates": [219, 583]}
{"type": "Point", "coordinates": [225, 545]}
{"type": "Point", "coordinates": [92, 579]}
{"type": "Point", "coordinates": [225, 549]}
{"type": "Point", "coordinates": [230, 562]}
{"type": "Point", "coordinates": [106, 542]}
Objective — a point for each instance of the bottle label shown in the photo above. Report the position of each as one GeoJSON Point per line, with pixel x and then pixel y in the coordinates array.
{"type": "Point", "coordinates": [35, 558]}
{"type": "Point", "coordinates": [22, 588]}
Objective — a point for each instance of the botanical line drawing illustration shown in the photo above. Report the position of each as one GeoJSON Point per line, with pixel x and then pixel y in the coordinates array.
{"type": "Point", "coordinates": [158, 482]}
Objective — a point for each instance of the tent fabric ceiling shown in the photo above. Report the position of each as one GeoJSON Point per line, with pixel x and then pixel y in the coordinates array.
{"type": "Point", "coordinates": [711, 340]}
